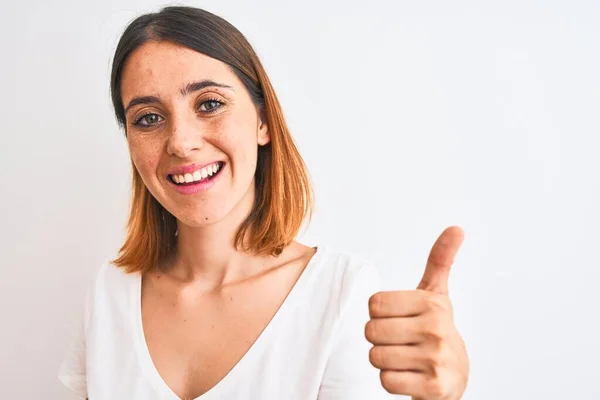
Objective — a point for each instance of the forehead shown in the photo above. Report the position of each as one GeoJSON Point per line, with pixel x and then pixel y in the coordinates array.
{"type": "Point", "coordinates": [164, 67]}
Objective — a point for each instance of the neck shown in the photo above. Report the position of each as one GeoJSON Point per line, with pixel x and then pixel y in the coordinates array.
{"type": "Point", "coordinates": [208, 252]}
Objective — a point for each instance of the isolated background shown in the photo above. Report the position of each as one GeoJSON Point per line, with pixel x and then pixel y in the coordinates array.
{"type": "Point", "coordinates": [411, 117]}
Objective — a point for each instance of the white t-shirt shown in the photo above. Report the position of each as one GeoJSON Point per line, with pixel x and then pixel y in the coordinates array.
{"type": "Point", "coordinates": [313, 348]}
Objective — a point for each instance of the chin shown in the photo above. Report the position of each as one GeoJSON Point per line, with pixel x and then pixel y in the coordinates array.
{"type": "Point", "coordinates": [201, 217]}
{"type": "Point", "coordinates": [197, 212]}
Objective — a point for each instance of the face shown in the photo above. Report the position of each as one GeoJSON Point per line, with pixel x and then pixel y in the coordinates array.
{"type": "Point", "coordinates": [193, 131]}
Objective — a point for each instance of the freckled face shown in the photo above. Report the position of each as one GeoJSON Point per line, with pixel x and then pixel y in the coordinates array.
{"type": "Point", "coordinates": [204, 126]}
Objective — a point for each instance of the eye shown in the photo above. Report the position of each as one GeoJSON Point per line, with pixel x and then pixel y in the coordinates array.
{"type": "Point", "coordinates": [211, 105]}
{"type": "Point", "coordinates": [150, 119]}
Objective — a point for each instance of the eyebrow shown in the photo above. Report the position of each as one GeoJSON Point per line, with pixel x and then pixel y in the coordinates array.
{"type": "Point", "coordinates": [186, 90]}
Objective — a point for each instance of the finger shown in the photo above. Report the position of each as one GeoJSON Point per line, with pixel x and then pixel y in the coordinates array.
{"type": "Point", "coordinates": [441, 258]}
{"type": "Point", "coordinates": [395, 331]}
{"type": "Point", "coordinates": [400, 358]}
{"type": "Point", "coordinates": [408, 383]}
{"type": "Point", "coordinates": [402, 303]}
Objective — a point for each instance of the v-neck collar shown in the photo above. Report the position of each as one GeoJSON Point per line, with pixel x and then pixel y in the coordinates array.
{"type": "Point", "coordinates": [149, 369]}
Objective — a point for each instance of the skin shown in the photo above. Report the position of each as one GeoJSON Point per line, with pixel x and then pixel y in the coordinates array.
{"type": "Point", "coordinates": [416, 345]}
{"type": "Point", "coordinates": [235, 293]}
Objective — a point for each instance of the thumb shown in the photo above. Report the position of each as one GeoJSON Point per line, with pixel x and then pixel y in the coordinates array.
{"type": "Point", "coordinates": [441, 258]}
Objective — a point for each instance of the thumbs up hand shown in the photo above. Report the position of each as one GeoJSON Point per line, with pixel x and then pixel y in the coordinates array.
{"type": "Point", "coordinates": [416, 345]}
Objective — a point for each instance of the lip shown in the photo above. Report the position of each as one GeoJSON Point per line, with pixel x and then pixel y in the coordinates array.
{"type": "Point", "coordinates": [198, 187]}
{"type": "Point", "coordinates": [191, 168]}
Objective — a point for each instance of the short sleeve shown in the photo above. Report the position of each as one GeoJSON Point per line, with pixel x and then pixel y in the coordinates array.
{"type": "Point", "coordinates": [72, 372]}
{"type": "Point", "coordinates": [349, 374]}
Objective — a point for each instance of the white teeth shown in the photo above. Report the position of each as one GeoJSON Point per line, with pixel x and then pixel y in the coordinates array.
{"type": "Point", "coordinates": [197, 175]}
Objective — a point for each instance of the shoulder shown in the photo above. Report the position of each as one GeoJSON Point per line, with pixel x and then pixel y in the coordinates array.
{"type": "Point", "coordinates": [347, 268]}
{"type": "Point", "coordinates": [348, 277]}
{"type": "Point", "coordinates": [109, 283]}
{"type": "Point", "coordinates": [109, 275]}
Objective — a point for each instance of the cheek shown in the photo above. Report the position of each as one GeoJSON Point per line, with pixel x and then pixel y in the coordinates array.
{"type": "Point", "coordinates": [238, 138]}
{"type": "Point", "coordinates": [145, 155]}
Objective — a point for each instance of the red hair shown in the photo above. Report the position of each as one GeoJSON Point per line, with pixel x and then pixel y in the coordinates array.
{"type": "Point", "coordinates": [284, 196]}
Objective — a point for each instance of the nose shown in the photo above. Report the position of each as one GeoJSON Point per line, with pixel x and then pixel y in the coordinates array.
{"type": "Point", "coordinates": [184, 138]}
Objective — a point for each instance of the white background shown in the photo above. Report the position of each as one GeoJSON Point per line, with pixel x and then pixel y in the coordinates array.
{"type": "Point", "coordinates": [412, 116]}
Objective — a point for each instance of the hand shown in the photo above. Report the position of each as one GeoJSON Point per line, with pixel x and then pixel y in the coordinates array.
{"type": "Point", "coordinates": [416, 345]}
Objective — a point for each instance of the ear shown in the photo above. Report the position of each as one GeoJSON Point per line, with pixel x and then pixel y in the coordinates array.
{"type": "Point", "coordinates": [263, 128]}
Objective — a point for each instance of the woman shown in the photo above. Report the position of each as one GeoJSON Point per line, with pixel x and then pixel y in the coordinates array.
{"type": "Point", "coordinates": [211, 297]}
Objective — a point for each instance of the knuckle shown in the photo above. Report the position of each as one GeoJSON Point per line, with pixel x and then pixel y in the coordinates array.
{"type": "Point", "coordinates": [436, 303]}
{"type": "Point", "coordinates": [377, 357]}
{"type": "Point", "coordinates": [433, 332]}
{"type": "Point", "coordinates": [371, 330]}
{"type": "Point", "coordinates": [439, 353]}
{"type": "Point", "coordinates": [435, 388]}
{"type": "Point", "coordinates": [433, 363]}
{"type": "Point", "coordinates": [373, 357]}
{"type": "Point", "coordinates": [388, 382]}
{"type": "Point", "coordinates": [375, 304]}
{"type": "Point", "coordinates": [436, 363]}
{"type": "Point", "coordinates": [436, 354]}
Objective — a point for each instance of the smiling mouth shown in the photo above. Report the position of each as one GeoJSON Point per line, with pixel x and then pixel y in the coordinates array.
{"type": "Point", "coordinates": [199, 176]}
